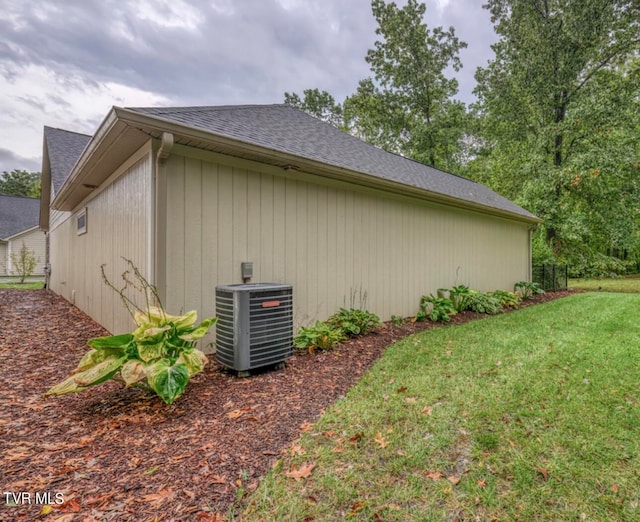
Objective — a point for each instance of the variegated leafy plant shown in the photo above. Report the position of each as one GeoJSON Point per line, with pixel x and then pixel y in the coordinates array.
{"type": "Point", "coordinates": [160, 354]}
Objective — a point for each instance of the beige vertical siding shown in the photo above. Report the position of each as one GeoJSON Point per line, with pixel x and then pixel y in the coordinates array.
{"type": "Point", "coordinates": [118, 224]}
{"type": "Point", "coordinates": [3, 258]}
{"type": "Point", "coordinates": [332, 241]}
{"type": "Point", "coordinates": [34, 240]}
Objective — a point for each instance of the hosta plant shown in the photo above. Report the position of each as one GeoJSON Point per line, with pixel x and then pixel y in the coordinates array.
{"type": "Point", "coordinates": [484, 303]}
{"type": "Point", "coordinates": [159, 355]}
{"type": "Point", "coordinates": [353, 321]}
{"type": "Point", "coordinates": [435, 308]}
{"type": "Point", "coordinates": [526, 289]}
{"type": "Point", "coordinates": [507, 299]}
{"type": "Point", "coordinates": [320, 336]}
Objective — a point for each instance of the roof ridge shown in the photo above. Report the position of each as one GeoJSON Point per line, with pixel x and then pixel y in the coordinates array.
{"type": "Point", "coordinates": [197, 108]}
{"type": "Point", "coordinates": [68, 131]}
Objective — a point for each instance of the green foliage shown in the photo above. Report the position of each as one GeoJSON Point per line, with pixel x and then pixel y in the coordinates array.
{"type": "Point", "coordinates": [397, 320]}
{"type": "Point", "coordinates": [317, 103]}
{"type": "Point", "coordinates": [408, 107]}
{"type": "Point", "coordinates": [20, 183]}
{"type": "Point", "coordinates": [507, 299]}
{"type": "Point", "coordinates": [23, 262]}
{"type": "Point", "coordinates": [526, 289]}
{"type": "Point", "coordinates": [484, 303]}
{"type": "Point", "coordinates": [320, 336]}
{"type": "Point", "coordinates": [459, 296]}
{"type": "Point", "coordinates": [160, 354]}
{"type": "Point", "coordinates": [353, 321]}
{"type": "Point", "coordinates": [347, 322]}
{"type": "Point", "coordinates": [558, 106]}
{"type": "Point", "coordinates": [435, 308]}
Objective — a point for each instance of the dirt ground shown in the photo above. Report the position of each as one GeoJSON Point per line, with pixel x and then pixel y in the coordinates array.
{"type": "Point", "coordinates": [120, 454]}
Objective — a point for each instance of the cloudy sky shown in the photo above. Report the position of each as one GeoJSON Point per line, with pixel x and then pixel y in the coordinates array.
{"type": "Point", "coordinates": [64, 63]}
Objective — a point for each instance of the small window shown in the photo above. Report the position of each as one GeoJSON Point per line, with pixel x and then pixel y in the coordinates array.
{"type": "Point", "coordinates": [81, 222]}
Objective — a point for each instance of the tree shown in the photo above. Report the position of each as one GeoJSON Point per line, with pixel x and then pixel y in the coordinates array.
{"type": "Point", "coordinates": [409, 64]}
{"type": "Point", "coordinates": [20, 183]}
{"type": "Point", "coordinates": [555, 115]}
{"type": "Point", "coordinates": [407, 106]}
{"type": "Point", "coordinates": [317, 103]}
{"type": "Point", "coordinates": [24, 262]}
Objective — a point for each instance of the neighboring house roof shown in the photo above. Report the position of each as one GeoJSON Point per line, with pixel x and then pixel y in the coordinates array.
{"type": "Point", "coordinates": [64, 148]}
{"type": "Point", "coordinates": [17, 214]}
{"type": "Point", "coordinates": [278, 135]}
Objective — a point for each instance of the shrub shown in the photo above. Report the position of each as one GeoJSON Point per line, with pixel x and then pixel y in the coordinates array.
{"type": "Point", "coordinates": [435, 308]}
{"type": "Point", "coordinates": [320, 336]}
{"type": "Point", "coordinates": [507, 299]}
{"type": "Point", "coordinates": [353, 321]}
{"type": "Point", "coordinates": [484, 303]}
{"type": "Point", "coordinates": [459, 296]}
{"type": "Point", "coordinates": [159, 355]}
{"type": "Point", "coordinates": [397, 320]}
{"type": "Point", "coordinates": [525, 289]}
{"type": "Point", "coordinates": [24, 262]}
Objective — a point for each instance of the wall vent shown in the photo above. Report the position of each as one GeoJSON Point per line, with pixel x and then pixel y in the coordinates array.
{"type": "Point", "coordinates": [255, 325]}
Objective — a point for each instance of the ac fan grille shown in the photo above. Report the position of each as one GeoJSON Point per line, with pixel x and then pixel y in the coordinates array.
{"type": "Point", "coordinates": [261, 333]}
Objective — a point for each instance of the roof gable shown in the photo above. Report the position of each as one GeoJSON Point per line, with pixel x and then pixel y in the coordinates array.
{"type": "Point", "coordinates": [64, 149]}
{"type": "Point", "coordinates": [289, 130]}
{"type": "Point", "coordinates": [17, 213]}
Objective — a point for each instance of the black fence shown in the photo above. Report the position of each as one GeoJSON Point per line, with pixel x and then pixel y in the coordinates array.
{"type": "Point", "coordinates": [551, 277]}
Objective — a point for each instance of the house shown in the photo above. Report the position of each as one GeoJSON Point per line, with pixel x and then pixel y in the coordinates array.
{"type": "Point", "coordinates": [18, 226]}
{"type": "Point", "coordinates": [190, 193]}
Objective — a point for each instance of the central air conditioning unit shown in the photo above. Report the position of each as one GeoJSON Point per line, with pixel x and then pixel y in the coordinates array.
{"type": "Point", "coordinates": [255, 325]}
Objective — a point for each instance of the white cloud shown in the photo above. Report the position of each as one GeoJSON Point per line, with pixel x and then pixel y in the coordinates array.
{"type": "Point", "coordinates": [35, 96]}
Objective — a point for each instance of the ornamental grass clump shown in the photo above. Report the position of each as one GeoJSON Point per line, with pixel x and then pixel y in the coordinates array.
{"type": "Point", "coordinates": [160, 355]}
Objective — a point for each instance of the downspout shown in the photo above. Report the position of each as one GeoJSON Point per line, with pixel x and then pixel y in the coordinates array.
{"type": "Point", "coordinates": [164, 150]}
{"type": "Point", "coordinates": [530, 250]}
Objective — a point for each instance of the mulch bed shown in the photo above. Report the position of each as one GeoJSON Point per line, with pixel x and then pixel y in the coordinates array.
{"type": "Point", "coordinates": [122, 454]}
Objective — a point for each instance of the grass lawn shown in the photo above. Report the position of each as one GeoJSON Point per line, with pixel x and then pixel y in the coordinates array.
{"type": "Point", "coordinates": [532, 415]}
{"type": "Point", "coordinates": [624, 284]}
{"type": "Point", "coordinates": [28, 285]}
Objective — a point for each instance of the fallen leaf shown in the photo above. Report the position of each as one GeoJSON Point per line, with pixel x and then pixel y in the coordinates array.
{"type": "Point", "coordinates": [236, 414]}
{"type": "Point", "coordinates": [301, 472]}
{"type": "Point", "coordinates": [357, 507]}
{"type": "Point", "coordinates": [70, 505]}
{"type": "Point", "coordinates": [434, 475]}
{"type": "Point", "coordinates": [46, 509]}
{"type": "Point", "coordinates": [411, 400]}
{"type": "Point", "coordinates": [543, 472]}
{"type": "Point", "coordinates": [296, 449]}
{"type": "Point", "coordinates": [482, 483]}
{"type": "Point", "coordinates": [380, 440]}
{"type": "Point", "coordinates": [427, 410]}
{"type": "Point", "coordinates": [615, 488]}
{"type": "Point", "coordinates": [356, 438]}
{"type": "Point", "coordinates": [453, 480]}
{"type": "Point", "coordinates": [156, 499]}
{"type": "Point", "coordinates": [402, 389]}
{"type": "Point", "coordinates": [305, 427]}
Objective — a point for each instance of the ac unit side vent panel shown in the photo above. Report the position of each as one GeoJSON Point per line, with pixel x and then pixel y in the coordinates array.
{"type": "Point", "coordinates": [255, 325]}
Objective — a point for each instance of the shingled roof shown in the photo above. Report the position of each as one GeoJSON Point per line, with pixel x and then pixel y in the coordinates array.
{"type": "Point", "coordinates": [288, 130]}
{"type": "Point", "coordinates": [17, 214]}
{"type": "Point", "coordinates": [65, 147]}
